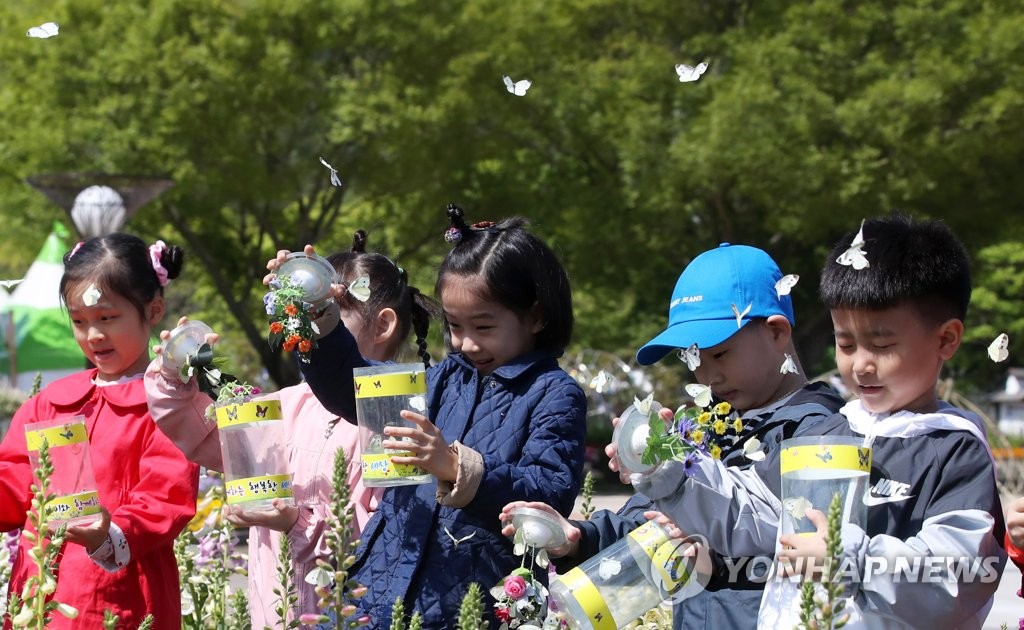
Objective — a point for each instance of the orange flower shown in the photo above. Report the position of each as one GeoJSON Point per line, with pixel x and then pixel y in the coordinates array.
{"type": "Point", "coordinates": [293, 339]}
{"type": "Point", "coordinates": [291, 310]}
{"type": "Point", "coordinates": [276, 328]}
{"type": "Point", "coordinates": [288, 346]}
{"type": "Point", "coordinates": [305, 345]}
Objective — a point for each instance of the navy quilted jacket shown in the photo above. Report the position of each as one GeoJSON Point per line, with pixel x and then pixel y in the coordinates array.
{"type": "Point", "coordinates": [527, 420]}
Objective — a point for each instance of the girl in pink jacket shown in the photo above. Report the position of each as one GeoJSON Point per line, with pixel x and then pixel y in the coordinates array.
{"type": "Point", "coordinates": [314, 434]}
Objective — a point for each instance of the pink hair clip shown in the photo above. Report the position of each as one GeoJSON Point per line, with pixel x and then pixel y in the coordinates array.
{"type": "Point", "coordinates": [74, 250]}
{"type": "Point", "coordinates": [156, 251]}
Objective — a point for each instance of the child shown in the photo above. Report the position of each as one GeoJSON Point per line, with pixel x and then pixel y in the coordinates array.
{"type": "Point", "coordinates": [314, 434]}
{"type": "Point", "coordinates": [933, 497]}
{"type": "Point", "coordinates": [113, 289]}
{"type": "Point", "coordinates": [743, 367]}
{"type": "Point", "coordinates": [508, 424]}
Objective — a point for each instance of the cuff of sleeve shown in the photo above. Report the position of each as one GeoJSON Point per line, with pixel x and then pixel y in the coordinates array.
{"type": "Point", "coordinates": [664, 481]}
{"type": "Point", "coordinates": [327, 320]}
{"type": "Point", "coordinates": [467, 480]}
{"type": "Point", "coordinates": [113, 554]}
{"type": "Point", "coordinates": [855, 547]}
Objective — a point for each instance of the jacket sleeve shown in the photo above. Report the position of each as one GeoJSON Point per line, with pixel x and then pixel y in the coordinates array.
{"type": "Point", "coordinates": [329, 372]}
{"type": "Point", "coordinates": [605, 528]}
{"type": "Point", "coordinates": [179, 410]}
{"type": "Point", "coordinates": [15, 471]}
{"type": "Point", "coordinates": [958, 549]}
{"type": "Point", "coordinates": [163, 501]}
{"type": "Point", "coordinates": [550, 468]}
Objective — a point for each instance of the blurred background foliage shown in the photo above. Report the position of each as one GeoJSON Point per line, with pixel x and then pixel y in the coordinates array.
{"type": "Point", "coordinates": [811, 116]}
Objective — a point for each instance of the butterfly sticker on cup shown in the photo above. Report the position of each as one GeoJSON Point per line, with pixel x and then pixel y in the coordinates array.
{"type": "Point", "coordinates": [44, 31]}
{"type": "Point", "coordinates": [518, 88]}
{"type": "Point", "coordinates": [739, 315]}
{"type": "Point", "coordinates": [855, 256]}
{"type": "Point", "coordinates": [788, 365]}
{"type": "Point", "coordinates": [701, 394]}
{"type": "Point", "coordinates": [360, 288]}
{"type": "Point", "coordinates": [688, 74]}
{"type": "Point", "coordinates": [690, 356]}
{"type": "Point", "coordinates": [335, 178]}
{"type": "Point", "coordinates": [998, 350]}
{"type": "Point", "coordinates": [785, 284]}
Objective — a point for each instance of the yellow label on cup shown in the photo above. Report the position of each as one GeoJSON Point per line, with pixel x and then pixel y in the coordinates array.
{"type": "Point", "coordinates": [589, 599]}
{"type": "Point", "coordinates": [670, 565]}
{"type": "Point", "coordinates": [258, 488]}
{"type": "Point", "coordinates": [394, 384]}
{"type": "Point", "coordinates": [71, 433]}
{"type": "Point", "coordinates": [649, 536]}
{"type": "Point", "coordinates": [380, 466]}
{"type": "Point", "coordinates": [252, 411]}
{"type": "Point", "coordinates": [831, 456]}
{"type": "Point", "coordinates": [72, 506]}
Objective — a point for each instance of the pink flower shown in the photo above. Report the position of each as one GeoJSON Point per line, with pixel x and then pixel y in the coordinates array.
{"type": "Point", "coordinates": [503, 615]}
{"type": "Point", "coordinates": [312, 619]}
{"type": "Point", "coordinates": [515, 587]}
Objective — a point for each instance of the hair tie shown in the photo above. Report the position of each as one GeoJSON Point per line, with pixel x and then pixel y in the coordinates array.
{"type": "Point", "coordinates": [156, 251]}
{"type": "Point", "coordinates": [482, 225]}
{"type": "Point", "coordinates": [75, 249]}
{"type": "Point", "coordinates": [453, 235]}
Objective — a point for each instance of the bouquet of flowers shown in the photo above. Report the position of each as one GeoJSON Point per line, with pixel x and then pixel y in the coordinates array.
{"type": "Point", "coordinates": [703, 428]}
{"type": "Point", "coordinates": [522, 600]}
{"type": "Point", "coordinates": [291, 327]}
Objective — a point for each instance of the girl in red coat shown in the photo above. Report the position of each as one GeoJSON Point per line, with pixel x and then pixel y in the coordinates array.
{"type": "Point", "coordinates": [124, 561]}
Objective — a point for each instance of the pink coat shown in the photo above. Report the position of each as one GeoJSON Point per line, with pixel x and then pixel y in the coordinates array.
{"type": "Point", "coordinates": [314, 435]}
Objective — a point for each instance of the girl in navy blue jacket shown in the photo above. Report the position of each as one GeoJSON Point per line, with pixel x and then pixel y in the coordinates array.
{"type": "Point", "coordinates": [503, 423]}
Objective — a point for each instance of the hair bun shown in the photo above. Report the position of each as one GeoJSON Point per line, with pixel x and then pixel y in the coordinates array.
{"type": "Point", "coordinates": [173, 259]}
{"type": "Point", "coordinates": [359, 242]}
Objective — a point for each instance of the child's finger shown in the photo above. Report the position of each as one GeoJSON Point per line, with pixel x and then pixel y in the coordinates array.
{"type": "Point", "coordinates": [419, 420]}
{"type": "Point", "coordinates": [818, 519]}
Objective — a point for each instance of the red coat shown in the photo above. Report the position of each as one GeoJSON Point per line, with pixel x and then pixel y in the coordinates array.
{"type": "Point", "coordinates": [142, 479]}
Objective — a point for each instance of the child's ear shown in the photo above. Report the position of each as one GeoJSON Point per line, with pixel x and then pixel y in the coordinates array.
{"type": "Point", "coordinates": [386, 325]}
{"type": "Point", "coordinates": [537, 322]}
{"type": "Point", "coordinates": [155, 310]}
{"type": "Point", "coordinates": [951, 333]}
{"type": "Point", "coordinates": [780, 329]}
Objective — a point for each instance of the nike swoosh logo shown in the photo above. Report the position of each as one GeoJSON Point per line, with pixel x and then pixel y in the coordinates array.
{"type": "Point", "coordinates": [871, 501]}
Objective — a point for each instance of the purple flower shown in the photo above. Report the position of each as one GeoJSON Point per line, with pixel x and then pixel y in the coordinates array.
{"type": "Point", "coordinates": [268, 302]}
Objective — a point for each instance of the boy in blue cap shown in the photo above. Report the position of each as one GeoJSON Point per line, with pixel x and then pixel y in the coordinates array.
{"type": "Point", "coordinates": [731, 318]}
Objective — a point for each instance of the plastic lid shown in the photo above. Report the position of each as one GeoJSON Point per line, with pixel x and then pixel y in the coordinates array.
{"type": "Point", "coordinates": [313, 274]}
{"type": "Point", "coordinates": [630, 439]}
{"type": "Point", "coordinates": [184, 340]}
{"type": "Point", "coordinates": [539, 528]}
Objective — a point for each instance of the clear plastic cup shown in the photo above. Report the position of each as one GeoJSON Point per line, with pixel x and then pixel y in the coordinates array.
{"type": "Point", "coordinates": [816, 468]}
{"type": "Point", "coordinates": [382, 392]}
{"type": "Point", "coordinates": [73, 483]}
{"type": "Point", "coordinates": [255, 452]}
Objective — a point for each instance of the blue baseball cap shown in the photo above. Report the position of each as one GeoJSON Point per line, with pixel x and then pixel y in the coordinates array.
{"type": "Point", "coordinates": [701, 312]}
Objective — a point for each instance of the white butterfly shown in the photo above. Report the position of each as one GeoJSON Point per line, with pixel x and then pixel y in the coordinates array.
{"type": "Point", "coordinates": [701, 394]}
{"type": "Point", "coordinates": [789, 366]}
{"type": "Point", "coordinates": [418, 403]}
{"type": "Point", "coordinates": [360, 288]}
{"type": "Point", "coordinates": [998, 349]}
{"type": "Point", "coordinates": [643, 406]}
{"type": "Point", "coordinates": [785, 284]}
{"type": "Point", "coordinates": [599, 381]}
{"type": "Point", "coordinates": [91, 296]}
{"type": "Point", "coordinates": [855, 256]}
{"type": "Point", "coordinates": [609, 568]}
{"type": "Point", "coordinates": [44, 31]}
{"type": "Point", "coordinates": [319, 576]}
{"type": "Point", "coordinates": [519, 87]}
{"type": "Point", "coordinates": [335, 178]}
{"type": "Point", "coordinates": [456, 541]}
{"type": "Point", "coordinates": [690, 73]}
{"type": "Point", "coordinates": [739, 315]}
{"type": "Point", "coordinates": [10, 284]}
{"type": "Point", "coordinates": [797, 506]}
{"type": "Point", "coordinates": [690, 356]}
{"type": "Point", "coordinates": [752, 450]}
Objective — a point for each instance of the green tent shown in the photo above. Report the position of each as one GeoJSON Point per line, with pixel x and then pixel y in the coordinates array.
{"type": "Point", "coordinates": [36, 332]}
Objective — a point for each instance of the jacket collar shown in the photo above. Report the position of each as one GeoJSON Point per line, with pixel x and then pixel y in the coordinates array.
{"type": "Point", "coordinates": [77, 388]}
{"type": "Point", "coordinates": [514, 368]}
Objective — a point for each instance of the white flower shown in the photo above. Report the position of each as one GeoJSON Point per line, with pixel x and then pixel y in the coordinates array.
{"type": "Point", "coordinates": [68, 611]}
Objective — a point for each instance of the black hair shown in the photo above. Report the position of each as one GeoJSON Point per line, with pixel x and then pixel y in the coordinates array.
{"type": "Point", "coordinates": [120, 263]}
{"type": "Point", "coordinates": [922, 264]}
{"type": "Point", "coordinates": [520, 272]}
{"type": "Point", "coordinates": [389, 288]}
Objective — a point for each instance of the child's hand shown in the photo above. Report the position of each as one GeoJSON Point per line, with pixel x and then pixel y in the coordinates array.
{"type": "Point", "coordinates": [430, 451]}
{"type": "Point", "coordinates": [90, 536]}
{"type": "Point", "coordinates": [805, 553]}
{"type": "Point", "coordinates": [277, 261]}
{"type": "Point", "coordinates": [211, 338]}
{"type": "Point", "coordinates": [611, 450]}
{"type": "Point", "coordinates": [281, 517]}
{"type": "Point", "coordinates": [1015, 522]}
{"type": "Point", "coordinates": [572, 533]}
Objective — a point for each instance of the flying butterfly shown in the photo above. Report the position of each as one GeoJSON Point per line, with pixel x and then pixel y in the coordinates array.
{"type": "Point", "coordinates": [360, 288]}
{"type": "Point", "coordinates": [518, 88]}
{"type": "Point", "coordinates": [789, 365]}
{"type": "Point", "coordinates": [599, 381]}
{"type": "Point", "coordinates": [335, 178]}
{"type": "Point", "coordinates": [739, 315]}
{"type": "Point", "coordinates": [690, 356]}
{"type": "Point", "coordinates": [10, 284]}
{"type": "Point", "coordinates": [785, 284]}
{"type": "Point", "coordinates": [998, 350]}
{"type": "Point", "coordinates": [44, 31]}
{"type": "Point", "coordinates": [701, 394]}
{"type": "Point", "coordinates": [643, 406]}
{"type": "Point", "coordinates": [752, 450]}
{"type": "Point", "coordinates": [690, 73]}
{"type": "Point", "coordinates": [855, 256]}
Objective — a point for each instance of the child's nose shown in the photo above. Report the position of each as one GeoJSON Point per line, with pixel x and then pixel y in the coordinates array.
{"type": "Point", "coordinates": [94, 334]}
{"type": "Point", "coordinates": [863, 362]}
{"type": "Point", "coordinates": [469, 345]}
